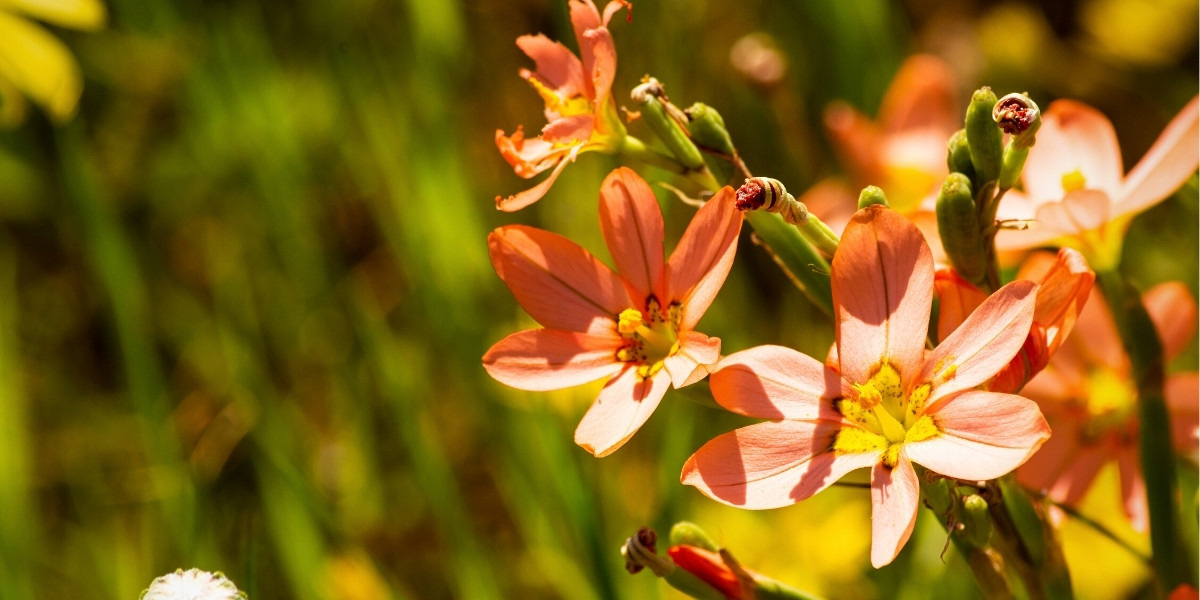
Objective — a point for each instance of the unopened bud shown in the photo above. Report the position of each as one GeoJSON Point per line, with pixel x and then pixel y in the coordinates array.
{"type": "Point", "coordinates": [1018, 116]}
{"type": "Point", "coordinates": [690, 534]}
{"type": "Point", "coordinates": [640, 552]}
{"type": "Point", "coordinates": [871, 195]}
{"type": "Point", "coordinates": [977, 523]}
{"type": "Point", "coordinates": [959, 228]}
{"type": "Point", "coordinates": [653, 102]}
{"type": "Point", "coordinates": [708, 128]}
{"type": "Point", "coordinates": [983, 136]}
{"type": "Point", "coordinates": [958, 154]}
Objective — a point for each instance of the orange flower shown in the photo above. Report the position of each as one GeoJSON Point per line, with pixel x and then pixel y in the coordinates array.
{"type": "Point", "coordinates": [637, 328]}
{"type": "Point", "coordinates": [1089, 397]}
{"type": "Point", "coordinates": [580, 114]}
{"type": "Point", "coordinates": [1076, 188]}
{"type": "Point", "coordinates": [888, 404]}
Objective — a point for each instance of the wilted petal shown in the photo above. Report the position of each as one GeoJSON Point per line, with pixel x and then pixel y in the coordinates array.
{"type": "Point", "coordinates": [569, 130]}
{"type": "Point", "coordinates": [772, 464]}
{"type": "Point", "coordinates": [774, 382]}
{"type": "Point", "coordinates": [520, 200]}
{"type": "Point", "coordinates": [1166, 166]}
{"type": "Point", "coordinates": [984, 344]}
{"type": "Point", "coordinates": [559, 284]}
{"type": "Point", "coordinates": [602, 68]}
{"type": "Point", "coordinates": [549, 359]}
{"type": "Point", "coordinates": [882, 293]}
{"type": "Point", "coordinates": [1074, 137]}
{"type": "Point", "coordinates": [697, 352]}
{"type": "Point", "coordinates": [984, 435]}
{"type": "Point", "coordinates": [700, 262]}
{"type": "Point", "coordinates": [1173, 311]}
{"type": "Point", "coordinates": [632, 224]}
{"type": "Point", "coordinates": [894, 496]}
{"type": "Point", "coordinates": [623, 406]}
{"type": "Point", "coordinates": [556, 65]}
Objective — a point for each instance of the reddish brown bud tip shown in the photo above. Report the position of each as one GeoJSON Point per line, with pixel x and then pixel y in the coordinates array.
{"type": "Point", "coordinates": [750, 196]}
{"type": "Point", "coordinates": [1015, 113]}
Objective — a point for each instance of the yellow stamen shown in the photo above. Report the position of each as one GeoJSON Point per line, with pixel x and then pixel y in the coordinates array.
{"type": "Point", "coordinates": [629, 321]}
{"type": "Point", "coordinates": [923, 429]}
{"type": "Point", "coordinates": [916, 402]}
{"type": "Point", "coordinates": [1073, 181]}
{"type": "Point", "coordinates": [852, 440]}
{"type": "Point", "coordinates": [575, 105]}
{"type": "Point", "coordinates": [892, 429]}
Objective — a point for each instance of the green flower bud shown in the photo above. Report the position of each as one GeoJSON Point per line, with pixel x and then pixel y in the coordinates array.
{"type": "Point", "coordinates": [871, 195]}
{"type": "Point", "coordinates": [984, 136]}
{"type": "Point", "coordinates": [1019, 117]}
{"type": "Point", "coordinates": [690, 534]}
{"type": "Point", "coordinates": [976, 522]}
{"type": "Point", "coordinates": [707, 129]}
{"type": "Point", "coordinates": [958, 154]}
{"type": "Point", "coordinates": [959, 229]}
{"type": "Point", "coordinates": [651, 96]}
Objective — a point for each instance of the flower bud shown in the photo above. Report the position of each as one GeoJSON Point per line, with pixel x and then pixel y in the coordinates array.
{"type": "Point", "coordinates": [690, 534]}
{"type": "Point", "coordinates": [707, 129]}
{"type": "Point", "coordinates": [959, 229]}
{"type": "Point", "coordinates": [871, 195]}
{"type": "Point", "coordinates": [651, 97]}
{"type": "Point", "coordinates": [976, 522]}
{"type": "Point", "coordinates": [1019, 117]}
{"type": "Point", "coordinates": [983, 136]}
{"type": "Point", "coordinates": [958, 154]}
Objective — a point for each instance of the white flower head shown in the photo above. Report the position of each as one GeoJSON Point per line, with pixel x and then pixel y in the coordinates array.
{"type": "Point", "coordinates": [192, 584]}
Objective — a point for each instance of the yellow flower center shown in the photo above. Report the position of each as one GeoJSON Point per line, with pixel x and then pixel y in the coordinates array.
{"type": "Point", "coordinates": [653, 335]}
{"type": "Point", "coordinates": [1110, 403]}
{"type": "Point", "coordinates": [1074, 181]}
{"type": "Point", "coordinates": [564, 106]}
{"type": "Point", "coordinates": [884, 416]}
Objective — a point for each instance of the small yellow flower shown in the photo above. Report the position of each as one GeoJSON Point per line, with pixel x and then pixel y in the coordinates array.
{"type": "Point", "coordinates": [34, 63]}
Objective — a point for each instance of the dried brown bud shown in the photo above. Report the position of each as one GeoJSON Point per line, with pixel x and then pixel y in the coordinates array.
{"type": "Point", "coordinates": [1016, 114]}
{"type": "Point", "coordinates": [750, 196]}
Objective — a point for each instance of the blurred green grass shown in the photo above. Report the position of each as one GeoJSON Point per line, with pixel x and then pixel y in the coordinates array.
{"type": "Point", "coordinates": [244, 295]}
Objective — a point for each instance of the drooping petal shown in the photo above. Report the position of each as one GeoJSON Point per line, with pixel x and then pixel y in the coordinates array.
{"type": "Point", "coordinates": [549, 359]}
{"type": "Point", "coordinates": [882, 294]}
{"type": "Point", "coordinates": [697, 353]}
{"type": "Point", "coordinates": [556, 65]}
{"type": "Point", "coordinates": [1173, 311]}
{"type": "Point", "coordinates": [611, 9]}
{"type": "Point", "coordinates": [623, 406]}
{"type": "Point", "coordinates": [984, 435]}
{"type": "Point", "coordinates": [1133, 488]}
{"type": "Point", "coordinates": [771, 464]}
{"type": "Point", "coordinates": [560, 285]}
{"type": "Point", "coordinates": [894, 496]}
{"type": "Point", "coordinates": [699, 264]}
{"type": "Point", "coordinates": [1073, 137]}
{"type": "Point", "coordinates": [520, 200]}
{"type": "Point", "coordinates": [984, 343]}
{"type": "Point", "coordinates": [632, 224]}
{"type": "Point", "coordinates": [528, 157]}
{"type": "Point", "coordinates": [774, 382]}
{"type": "Point", "coordinates": [1169, 162]}
{"type": "Point", "coordinates": [1183, 402]}
{"type": "Point", "coordinates": [957, 299]}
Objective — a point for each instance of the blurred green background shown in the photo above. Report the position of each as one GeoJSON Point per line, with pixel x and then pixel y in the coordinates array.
{"type": "Point", "coordinates": [244, 293]}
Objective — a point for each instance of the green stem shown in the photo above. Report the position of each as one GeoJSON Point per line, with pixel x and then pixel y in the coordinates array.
{"type": "Point", "coordinates": [1158, 459]}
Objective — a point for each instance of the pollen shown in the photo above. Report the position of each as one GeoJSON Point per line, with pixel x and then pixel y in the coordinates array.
{"type": "Point", "coordinates": [852, 440]}
{"type": "Point", "coordinates": [556, 102]}
{"type": "Point", "coordinates": [916, 401]}
{"type": "Point", "coordinates": [629, 321]}
{"type": "Point", "coordinates": [925, 428]}
{"type": "Point", "coordinates": [1073, 181]}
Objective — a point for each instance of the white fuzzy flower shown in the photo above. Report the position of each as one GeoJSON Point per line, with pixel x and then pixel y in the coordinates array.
{"type": "Point", "coordinates": [192, 584]}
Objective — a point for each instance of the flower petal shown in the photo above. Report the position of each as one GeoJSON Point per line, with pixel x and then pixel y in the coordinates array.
{"type": "Point", "coordinates": [921, 96]}
{"type": "Point", "coordinates": [569, 130]}
{"type": "Point", "coordinates": [856, 139]}
{"type": "Point", "coordinates": [1133, 488]}
{"type": "Point", "coordinates": [40, 65]}
{"type": "Point", "coordinates": [957, 299]}
{"type": "Point", "coordinates": [1183, 401]}
{"type": "Point", "coordinates": [984, 435]}
{"type": "Point", "coordinates": [520, 200]}
{"type": "Point", "coordinates": [1063, 291]}
{"type": "Point", "coordinates": [894, 496]}
{"type": "Point", "coordinates": [556, 65]}
{"type": "Point", "coordinates": [559, 284]}
{"type": "Point", "coordinates": [984, 344]}
{"type": "Point", "coordinates": [623, 406]}
{"type": "Point", "coordinates": [697, 352]}
{"type": "Point", "coordinates": [632, 224]}
{"type": "Point", "coordinates": [882, 294]}
{"type": "Point", "coordinates": [1056, 455]}
{"type": "Point", "coordinates": [774, 382]}
{"type": "Point", "coordinates": [1169, 162]}
{"type": "Point", "coordinates": [549, 359]}
{"type": "Point", "coordinates": [1073, 137]}
{"type": "Point", "coordinates": [1173, 311]}
{"type": "Point", "coordinates": [772, 464]}
{"type": "Point", "coordinates": [600, 64]}
{"type": "Point", "coordinates": [700, 262]}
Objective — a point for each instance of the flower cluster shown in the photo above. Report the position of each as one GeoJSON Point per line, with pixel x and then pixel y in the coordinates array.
{"type": "Point", "coordinates": [1032, 381]}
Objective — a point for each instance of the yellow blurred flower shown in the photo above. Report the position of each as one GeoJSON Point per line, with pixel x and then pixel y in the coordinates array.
{"type": "Point", "coordinates": [34, 63]}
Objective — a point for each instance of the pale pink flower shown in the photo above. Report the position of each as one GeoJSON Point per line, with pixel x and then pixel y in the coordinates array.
{"type": "Point", "coordinates": [888, 404]}
{"type": "Point", "coordinates": [1075, 185]}
{"type": "Point", "coordinates": [1065, 281]}
{"type": "Point", "coordinates": [1088, 395]}
{"type": "Point", "coordinates": [637, 327]}
{"type": "Point", "coordinates": [580, 113]}
{"type": "Point", "coordinates": [903, 151]}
